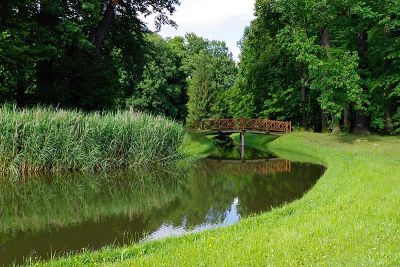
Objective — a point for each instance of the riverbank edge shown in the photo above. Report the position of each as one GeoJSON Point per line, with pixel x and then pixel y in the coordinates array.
{"type": "Point", "coordinates": [338, 222]}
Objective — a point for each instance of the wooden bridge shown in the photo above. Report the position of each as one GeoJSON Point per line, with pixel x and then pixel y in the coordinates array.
{"type": "Point", "coordinates": [227, 126]}
{"type": "Point", "coordinates": [244, 125]}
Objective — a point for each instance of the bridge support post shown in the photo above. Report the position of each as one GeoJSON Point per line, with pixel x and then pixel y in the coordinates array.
{"type": "Point", "coordinates": [242, 145]}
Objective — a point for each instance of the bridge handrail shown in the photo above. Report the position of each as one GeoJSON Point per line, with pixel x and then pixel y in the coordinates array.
{"type": "Point", "coordinates": [265, 125]}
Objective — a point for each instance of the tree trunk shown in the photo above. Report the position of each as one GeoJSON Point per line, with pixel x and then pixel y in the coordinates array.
{"type": "Point", "coordinates": [325, 40]}
{"type": "Point", "coordinates": [20, 96]}
{"type": "Point", "coordinates": [361, 121]}
{"type": "Point", "coordinates": [347, 120]}
{"type": "Point", "coordinates": [325, 45]}
{"type": "Point", "coordinates": [324, 122]}
{"type": "Point", "coordinates": [362, 48]}
{"type": "Point", "coordinates": [336, 126]}
{"type": "Point", "coordinates": [97, 35]}
{"type": "Point", "coordinates": [388, 112]}
{"type": "Point", "coordinates": [303, 107]}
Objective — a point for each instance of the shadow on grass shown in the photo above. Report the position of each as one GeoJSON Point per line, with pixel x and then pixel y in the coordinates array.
{"type": "Point", "coordinates": [354, 139]}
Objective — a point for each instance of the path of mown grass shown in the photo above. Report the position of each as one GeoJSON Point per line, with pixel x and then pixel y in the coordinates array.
{"type": "Point", "coordinates": [351, 217]}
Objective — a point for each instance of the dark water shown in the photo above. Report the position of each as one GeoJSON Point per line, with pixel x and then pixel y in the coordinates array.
{"type": "Point", "coordinates": [66, 214]}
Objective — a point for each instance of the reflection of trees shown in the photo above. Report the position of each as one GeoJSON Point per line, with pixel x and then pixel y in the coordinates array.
{"type": "Point", "coordinates": [234, 153]}
{"type": "Point", "coordinates": [67, 213]}
{"type": "Point", "coordinates": [210, 188]}
{"type": "Point", "coordinates": [71, 199]}
{"type": "Point", "coordinates": [275, 189]}
{"type": "Point", "coordinates": [206, 190]}
{"type": "Point", "coordinates": [100, 210]}
{"type": "Point", "coordinates": [203, 195]}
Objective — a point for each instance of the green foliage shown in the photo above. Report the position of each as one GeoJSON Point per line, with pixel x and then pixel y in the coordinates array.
{"type": "Point", "coordinates": [52, 53]}
{"type": "Point", "coordinates": [45, 140]}
{"type": "Point", "coordinates": [202, 90]}
{"type": "Point", "coordinates": [301, 59]}
{"type": "Point", "coordinates": [171, 65]}
{"type": "Point", "coordinates": [162, 89]}
{"type": "Point", "coordinates": [396, 119]}
{"type": "Point", "coordinates": [49, 53]}
{"type": "Point", "coordinates": [337, 80]}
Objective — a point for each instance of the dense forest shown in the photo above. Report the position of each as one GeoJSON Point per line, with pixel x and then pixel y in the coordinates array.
{"type": "Point", "coordinates": [325, 65]}
{"type": "Point", "coordinates": [96, 55]}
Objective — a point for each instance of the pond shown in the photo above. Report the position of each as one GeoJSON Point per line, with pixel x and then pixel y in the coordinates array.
{"type": "Point", "coordinates": [69, 213]}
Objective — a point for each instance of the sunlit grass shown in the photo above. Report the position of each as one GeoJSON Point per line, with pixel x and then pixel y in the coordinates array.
{"type": "Point", "coordinates": [47, 140]}
{"type": "Point", "coordinates": [258, 141]}
{"type": "Point", "coordinates": [197, 145]}
{"type": "Point", "coordinates": [351, 217]}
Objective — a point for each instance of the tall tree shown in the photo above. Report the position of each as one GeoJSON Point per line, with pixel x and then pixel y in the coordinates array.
{"type": "Point", "coordinates": [201, 90]}
{"type": "Point", "coordinates": [85, 54]}
{"type": "Point", "coordinates": [163, 87]}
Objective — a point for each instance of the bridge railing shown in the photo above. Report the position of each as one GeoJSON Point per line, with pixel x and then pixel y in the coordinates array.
{"type": "Point", "coordinates": [264, 125]}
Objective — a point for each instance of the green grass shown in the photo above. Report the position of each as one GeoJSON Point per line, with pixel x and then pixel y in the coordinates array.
{"type": "Point", "coordinates": [258, 141]}
{"type": "Point", "coordinates": [196, 146]}
{"type": "Point", "coordinates": [47, 140]}
{"type": "Point", "coordinates": [351, 217]}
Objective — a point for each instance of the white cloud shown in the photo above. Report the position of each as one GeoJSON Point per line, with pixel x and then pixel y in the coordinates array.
{"type": "Point", "coordinates": [212, 13]}
{"type": "Point", "coordinates": [223, 20]}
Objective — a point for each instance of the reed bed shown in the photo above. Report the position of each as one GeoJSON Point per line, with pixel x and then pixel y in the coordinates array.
{"type": "Point", "coordinates": [47, 140]}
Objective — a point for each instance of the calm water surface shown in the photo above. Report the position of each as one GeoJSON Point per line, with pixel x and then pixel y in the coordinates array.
{"type": "Point", "coordinates": [65, 214]}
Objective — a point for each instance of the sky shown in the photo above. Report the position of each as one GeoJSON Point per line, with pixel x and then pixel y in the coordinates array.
{"type": "Point", "coordinates": [223, 20]}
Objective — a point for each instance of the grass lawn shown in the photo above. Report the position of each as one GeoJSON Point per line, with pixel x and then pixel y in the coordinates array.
{"type": "Point", "coordinates": [351, 217]}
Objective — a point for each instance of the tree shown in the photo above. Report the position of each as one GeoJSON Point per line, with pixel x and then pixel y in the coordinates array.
{"type": "Point", "coordinates": [309, 61]}
{"type": "Point", "coordinates": [87, 54]}
{"type": "Point", "coordinates": [171, 63]}
{"type": "Point", "coordinates": [337, 81]}
{"type": "Point", "coordinates": [129, 9]}
{"type": "Point", "coordinates": [201, 90]}
{"type": "Point", "coordinates": [162, 89]}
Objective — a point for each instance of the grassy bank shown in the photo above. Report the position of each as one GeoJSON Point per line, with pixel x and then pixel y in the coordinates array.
{"type": "Point", "coordinates": [349, 218]}
{"type": "Point", "coordinates": [197, 146]}
{"type": "Point", "coordinates": [257, 141]}
{"type": "Point", "coordinates": [47, 140]}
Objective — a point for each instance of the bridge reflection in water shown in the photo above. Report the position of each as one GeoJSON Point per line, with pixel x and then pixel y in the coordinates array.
{"type": "Point", "coordinates": [239, 167]}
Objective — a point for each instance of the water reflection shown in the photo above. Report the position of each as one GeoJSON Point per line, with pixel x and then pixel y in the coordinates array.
{"type": "Point", "coordinates": [238, 154]}
{"type": "Point", "coordinates": [230, 216]}
{"type": "Point", "coordinates": [65, 214]}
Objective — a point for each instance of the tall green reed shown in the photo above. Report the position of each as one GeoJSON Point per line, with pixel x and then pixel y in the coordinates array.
{"type": "Point", "coordinates": [47, 140]}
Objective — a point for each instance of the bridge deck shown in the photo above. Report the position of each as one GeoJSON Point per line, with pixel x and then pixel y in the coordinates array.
{"type": "Point", "coordinates": [240, 125]}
